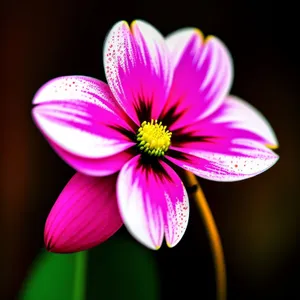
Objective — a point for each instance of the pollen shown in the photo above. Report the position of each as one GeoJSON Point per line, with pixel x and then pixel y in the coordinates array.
{"type": "Point", "coordinates": [153, 138]}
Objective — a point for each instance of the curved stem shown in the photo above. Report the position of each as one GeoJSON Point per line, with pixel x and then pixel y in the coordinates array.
{"type": "Point", "coordinates": [212, 231]}
{"type": "Point", "coordinates": [80, 275]}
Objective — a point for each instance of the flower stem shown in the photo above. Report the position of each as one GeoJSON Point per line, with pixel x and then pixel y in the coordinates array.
{"type": "Point", "coordinates": [80, 275]}
{"type": "Point", "coordinates": [212, 231]}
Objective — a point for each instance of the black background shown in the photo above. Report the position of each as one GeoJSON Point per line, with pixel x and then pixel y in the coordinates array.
{"type": "Point", "coordinates": [42, 39]}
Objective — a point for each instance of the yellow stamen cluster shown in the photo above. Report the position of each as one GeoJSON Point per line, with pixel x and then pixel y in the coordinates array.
{"type": "Point", "coordinates": [154, 138]}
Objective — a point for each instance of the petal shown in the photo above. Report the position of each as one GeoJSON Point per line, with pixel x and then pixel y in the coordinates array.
{"type": "Point", "coordinates": [241, 159]}
{"type": "Point", "coordinates": [152, 201]}
{"type": "Point", "coordinates": [239, 116]}
{"type": "Point", "coordinates": [94, 166]}
{"type": "Point", "coordinates": [84, 215]}
{"type": "Point", "coordinates": [79, 115]}
{"type": "Point", "coordinates": [137, 69]}
{"type": "Point", "coordinates": [202, 78]}
{"type": "Point", "coordinates": [235, 119]}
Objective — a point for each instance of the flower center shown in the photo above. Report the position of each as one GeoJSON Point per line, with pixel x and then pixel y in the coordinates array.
{"type": "Point", "coordinates": [153, 138]}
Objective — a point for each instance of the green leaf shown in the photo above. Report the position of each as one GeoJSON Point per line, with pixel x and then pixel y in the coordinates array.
{"type": "Point", "coordinates": [119, 269]}
{"type": "Point", "coordinates": [51, 278]}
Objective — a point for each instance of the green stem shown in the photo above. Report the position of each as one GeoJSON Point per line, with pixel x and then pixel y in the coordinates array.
{"type": "Point", "coordinates": [80, 275]}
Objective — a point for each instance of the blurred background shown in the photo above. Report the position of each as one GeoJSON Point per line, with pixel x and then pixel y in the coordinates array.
{"type": "Point", "coordinates": [256, 218]}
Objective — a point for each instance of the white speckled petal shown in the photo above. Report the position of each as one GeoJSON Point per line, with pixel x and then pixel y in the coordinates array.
{"type": "Point", "coordinates": [138, 69]}
{"type": "Point", "coordinates": [243, 159]}
{"type": "Point", "coordinates": [155, 204]}
{"type": "Point", "coordinates": [80, 115]}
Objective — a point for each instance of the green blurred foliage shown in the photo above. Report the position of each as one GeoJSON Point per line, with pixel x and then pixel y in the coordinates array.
{"type": "Point", "coordinates": [51, 277]}
{"type": "Point", "coordinates": [117, 269]}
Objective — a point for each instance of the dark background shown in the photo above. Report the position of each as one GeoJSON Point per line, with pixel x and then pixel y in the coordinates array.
{"type": "Point", "coordinates": [256, 218]}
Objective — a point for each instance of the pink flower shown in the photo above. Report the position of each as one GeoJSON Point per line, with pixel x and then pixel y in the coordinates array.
{"type": "Point", "coordinates": [166, 103]}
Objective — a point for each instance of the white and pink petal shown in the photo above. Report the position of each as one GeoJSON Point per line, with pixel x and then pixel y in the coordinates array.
{"type": "Point", "coordinates": [239, 116]}
{"type": "Point", "coordinates": [202, 78]}
{"type": "Point", "coordinates": [241, 160]}
{"type": "Point", "coordinates": [103, 166]}
{"type": "Point", "coordinates": [138, 69]}
{"type": "Point", "coordinates": [80, 115]}
{"type": "Point", "coordinates": [235, 132]}
{"type": "Point", "coordinates": [156, 204]}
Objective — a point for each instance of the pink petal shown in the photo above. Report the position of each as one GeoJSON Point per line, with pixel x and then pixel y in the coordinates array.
{"type": "Point", "coordinates": [103, 166]}
{"type": "Point", "coordinates": [238, 160]}
{"type": "Point", "coordinates": [137, 69]}
{"type": "Point", "coordinates": [203, 76]}
{"type": "Point", "coordinates": [84, 215]}
{"type": "Point", "coordinates": [152, 201]}
{"type": "Point", "coordinates": [80, 115]}
{"type": "Point", "coordinates": [235, 119]}
{"type": "Point", "coordinates": [240, 116]}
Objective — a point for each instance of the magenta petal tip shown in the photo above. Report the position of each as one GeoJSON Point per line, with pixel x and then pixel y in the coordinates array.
{"type": "Point", "coordinates": [84, 215]}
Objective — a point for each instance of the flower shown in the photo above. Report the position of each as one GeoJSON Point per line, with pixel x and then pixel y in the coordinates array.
{"type": "Point", "coordinates": [166, 104]}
